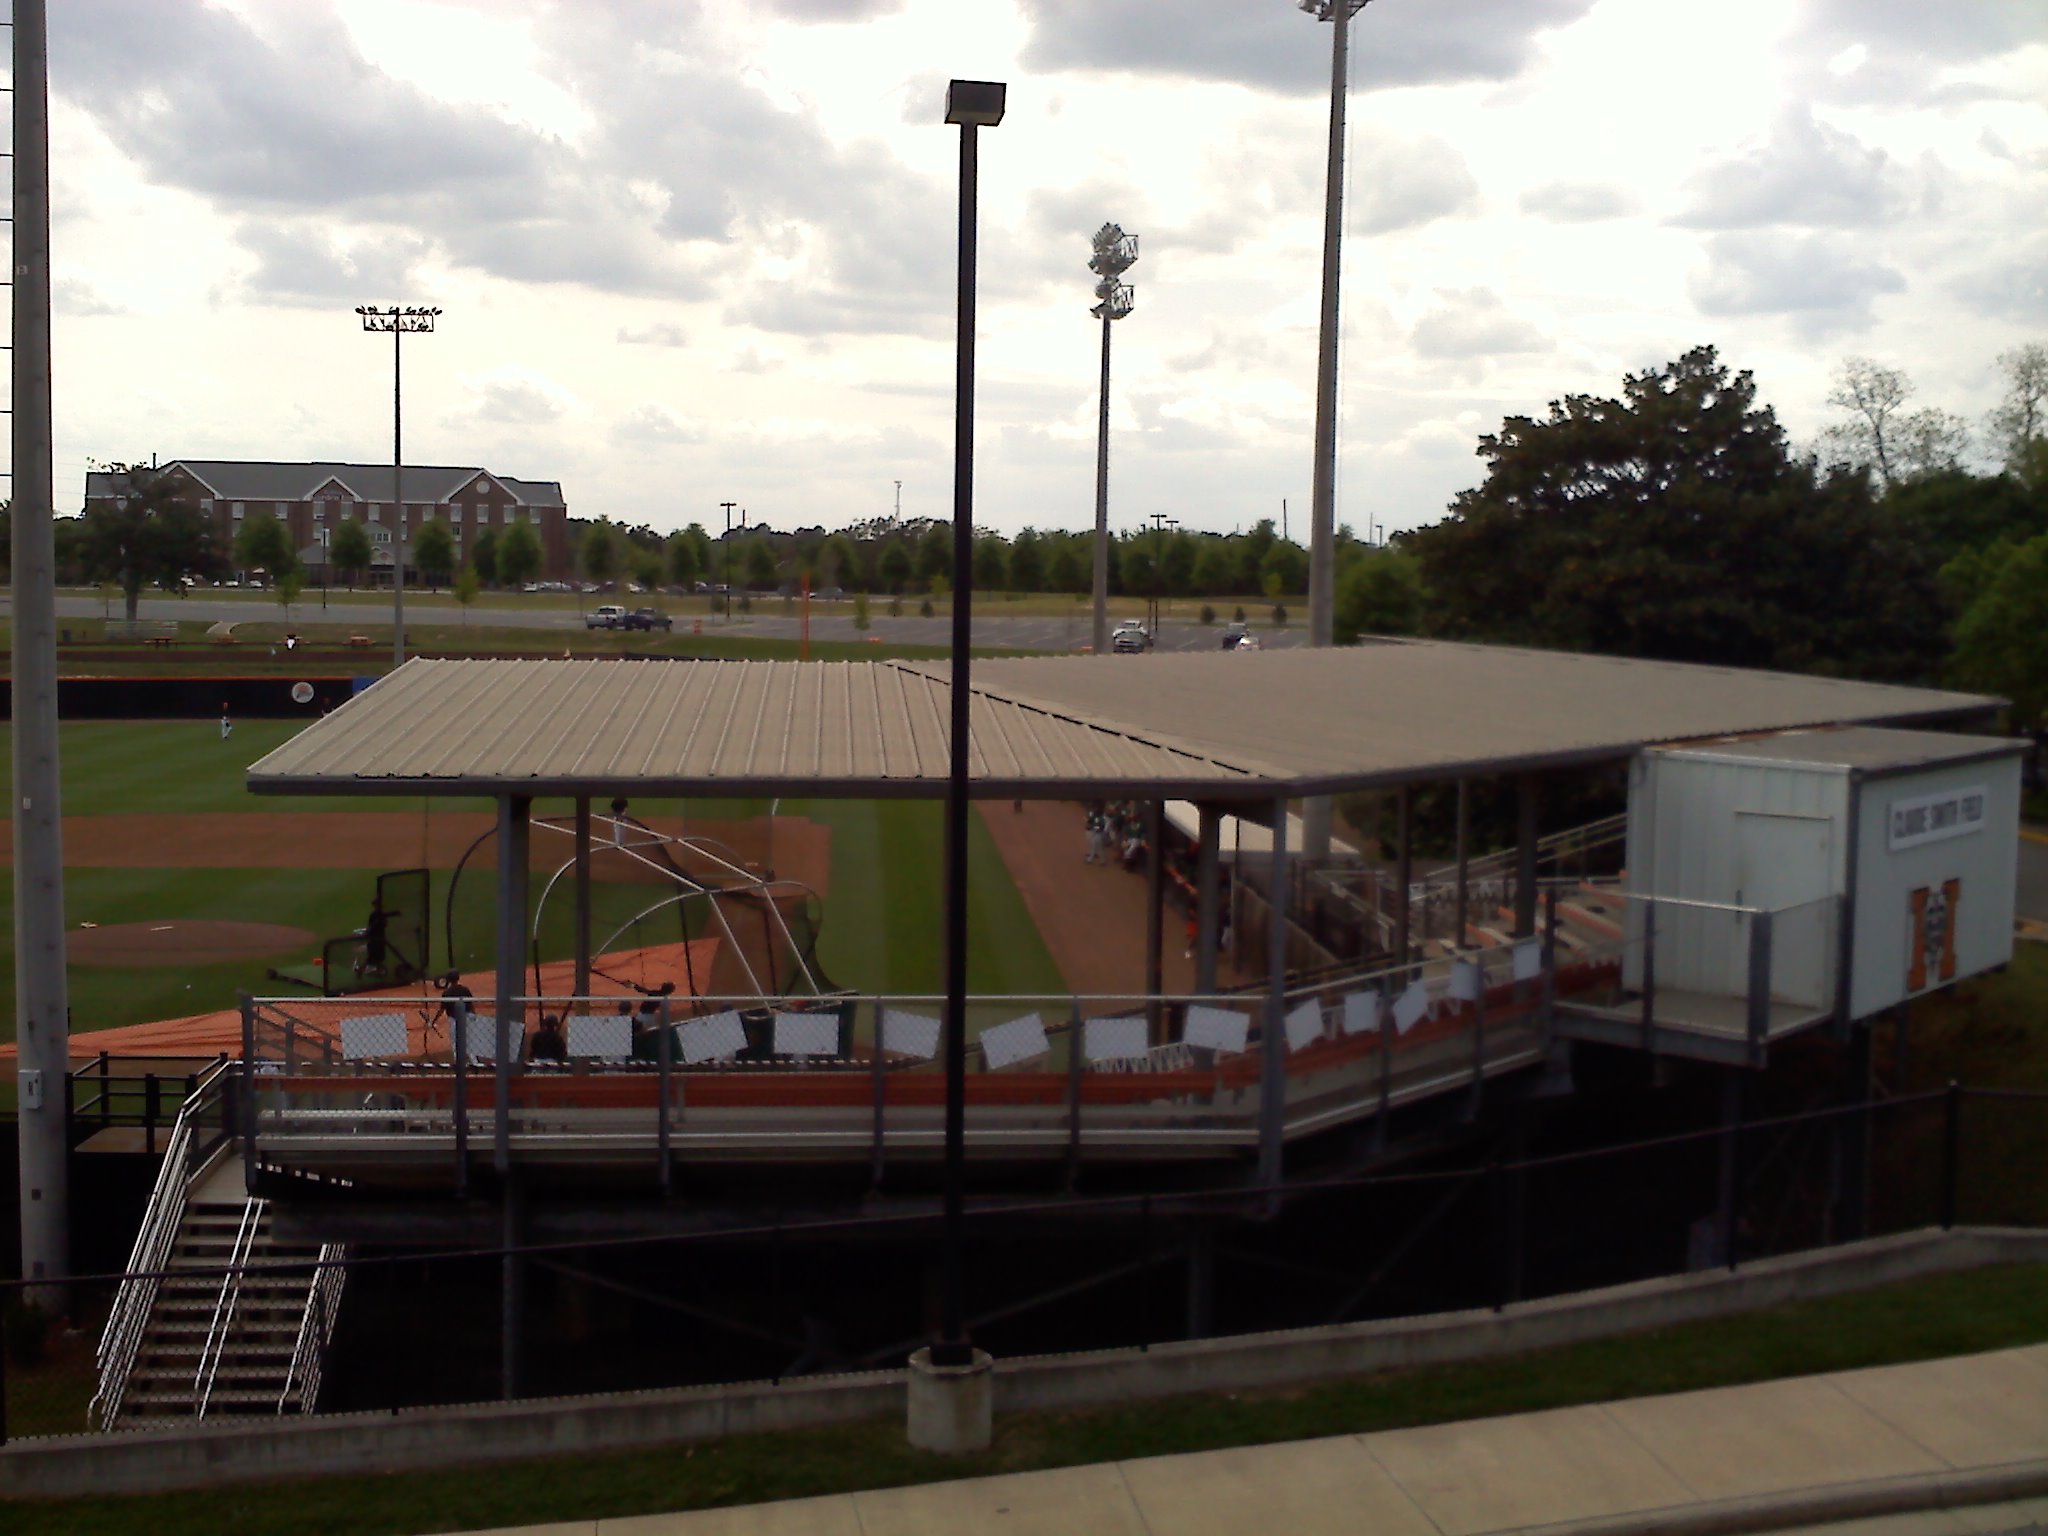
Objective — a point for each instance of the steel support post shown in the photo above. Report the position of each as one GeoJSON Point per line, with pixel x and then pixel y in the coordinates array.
{"type": "Point", "coordinates": [1759, 987]}
{"type": "Point", "coordinates": [1099, 634]}
{"type": "Point", "coordinates": [1076, 1065]}
{"type": "Point", "coordinates": [1734, 1086]}
{"type": "Point", "coordinates": [1155, 920]}
{"type": "Point", "coordinates": [582, 896]}
{"type": "Point", "coordinates": [1404, 873]}
{"type": "Point", "coordinates": [1272, 1038]}
{"type": "Point", "coordinates": [512, 1301]}
{"type": "Point", "coordinates": [1464, 906]}
{"type": "Point", "coordinates": [1208, 831]}
{"type": "Point", "coordinates": [514, 817]}
{"type": "Point", "coordinates": [878, 1089]}
{"type": "Point", "coordinates": [41, 1004]}
{"type": "Point", "coordinates": [1528, 798]}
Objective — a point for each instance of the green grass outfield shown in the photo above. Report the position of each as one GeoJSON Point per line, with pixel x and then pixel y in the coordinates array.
{"type": "Point", "coordinates": [881, 930]}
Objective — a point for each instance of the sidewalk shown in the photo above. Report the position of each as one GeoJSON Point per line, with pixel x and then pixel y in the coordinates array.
{"type": "Point", "coordinates": [1941, 1447]}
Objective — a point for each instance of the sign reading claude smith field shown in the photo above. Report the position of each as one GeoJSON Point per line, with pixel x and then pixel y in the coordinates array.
{"type": "Point", "coordinates": [1931, 818]}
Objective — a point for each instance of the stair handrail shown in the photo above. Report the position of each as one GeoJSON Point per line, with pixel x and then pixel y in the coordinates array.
{"type": "Point", "coordinates": [121, 1340]}
{"type": "Point", "coordinates": [316, 1328]}
{"type": "Point", "coordinates": [215, 1347]}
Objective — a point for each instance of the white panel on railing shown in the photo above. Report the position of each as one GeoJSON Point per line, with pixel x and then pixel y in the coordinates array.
{"type": "Point", "coordinates": [601, 1036]}
{"type": "Point", "coordinates": [1114, 1039]}
{"type": "Point", "coordinates": [1361, 1013]}
{"type": "Point", "coordinates": [1528, 960]}
{"type": "Point", "coordinates": [369, 1035]}
{"type": "Point", "coordinates": [712, 1039]}
{"type": "Point", "coordinates": [1465, 980]}
{"type": "Point", "coordinates": [1304, 1025]}
{"type": "Point", "coordinates": [482, 1034]}
{"type": "Point", "coordinates": [910, 1034]}
{"type": "Point", "coordinates": [807, 1034]}
{"type": "Point", "coordinates": [1216, 1029]}
{"type": "Point", "coordinates": [1410, 1006]}
{"type": "Point", "coordinates": [1018, 1039]}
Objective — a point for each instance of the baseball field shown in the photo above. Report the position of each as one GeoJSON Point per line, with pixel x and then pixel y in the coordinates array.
{"type": "Point", "coordinates": [183, 890]}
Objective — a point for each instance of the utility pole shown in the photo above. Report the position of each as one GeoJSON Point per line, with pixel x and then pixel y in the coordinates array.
{"type": "Point", "coordinates": [398, 319]}
{"type": "Point", "coordinates": [41, 1006]}
{"type": "Point", "coordinates": [899, 502]}
{"type": "Point", "coordinates": [725, 558]}
{"type": "Point", "coordinates": [1160, 523]}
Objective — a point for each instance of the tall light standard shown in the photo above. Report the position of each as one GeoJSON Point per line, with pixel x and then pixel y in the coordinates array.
{"type": "Point", "coordinates": [398, 319]}
{"type": "Point", "coordinates": [725, 558]}
{"type": "Point", "coordinates": [1115, 254]}
{"type": "Point", "coordinates": [1322, 538]}
{"type": "Point", "coordinates": [971, 105]}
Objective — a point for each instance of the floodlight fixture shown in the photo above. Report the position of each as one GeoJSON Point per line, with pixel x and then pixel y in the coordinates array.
{"type": "Point", "coordinates": [1325, 10]}
{"type": "Point", "coordinates": [1113, 299]}
{"type": "Point", "coordinates": [975, 103]}
{"type": "Point", "coordinates": [1115, 251]}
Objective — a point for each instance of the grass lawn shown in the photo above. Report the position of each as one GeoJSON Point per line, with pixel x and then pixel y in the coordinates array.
{"type": "Point", "coordinates": [1944, 1315]}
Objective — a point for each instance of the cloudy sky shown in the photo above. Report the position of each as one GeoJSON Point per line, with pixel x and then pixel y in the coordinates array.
{"type": "Point", "coordinates": [702, 250]}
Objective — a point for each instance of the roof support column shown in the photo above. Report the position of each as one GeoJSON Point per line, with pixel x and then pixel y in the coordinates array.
{"type": "Point", "coordinates": [1209, 827]}
{"type": "Point", "coordinates": [1528, 796]}
{"type": "Point", "coordinates": [1273, 1036]}
{"type": "Point", "coordinates": [1464, 862]}
{"type": "Point", "coordinates": [583, 896]}
{"type": "Point", "coordinates": [1155, 912]}
{"type": "Point", "coordinates": [515, 812]}
{"type": "Point", "coordinates": [1404, 871]}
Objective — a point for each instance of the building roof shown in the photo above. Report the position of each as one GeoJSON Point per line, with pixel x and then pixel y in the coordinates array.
{"type": "Point", "coordinates": [1871, 750]}
{"type": "Point", "coordinates": [1212, 725]}
{"type": "Point", "coordinates": [262, 480]}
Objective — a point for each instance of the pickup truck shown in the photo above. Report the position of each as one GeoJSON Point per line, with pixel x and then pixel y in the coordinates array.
{"type": "Point", "coordinates": [648, 618]}
{"type": "Point", "coordinates": [606, 616]}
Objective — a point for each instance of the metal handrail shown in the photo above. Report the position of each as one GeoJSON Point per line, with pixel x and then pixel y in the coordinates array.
{"type": "Point", "coordinates": [121, 1340]}
{"type": "Point", "coordinates": [215, 1348]}
{"type": "Point", "coordinates": [316, 1328]}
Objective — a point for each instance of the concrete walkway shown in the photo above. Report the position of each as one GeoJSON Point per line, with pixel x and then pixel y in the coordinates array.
{"type": "Point", "coordinates": [1938, 1448]}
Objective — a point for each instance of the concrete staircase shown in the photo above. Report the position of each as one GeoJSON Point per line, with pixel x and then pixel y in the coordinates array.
{"type": "Point", "coordinates": [217, 1348]}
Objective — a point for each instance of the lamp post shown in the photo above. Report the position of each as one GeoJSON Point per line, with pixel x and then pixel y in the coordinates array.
{"type": "Point", "coordinates": [1322, 538]}
{"type": "Point", "coordinates": [398, 319]}
{"type": "Point", "coordinates": [971, 105]}
{"type": "Point", "coordinates": [725, 558]}
{"type": "Point", "coordinates": [1115, 254]}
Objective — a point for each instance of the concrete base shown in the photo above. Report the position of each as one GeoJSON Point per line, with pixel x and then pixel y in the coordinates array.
{"type": "Point", "coordinates": [952, 1407]}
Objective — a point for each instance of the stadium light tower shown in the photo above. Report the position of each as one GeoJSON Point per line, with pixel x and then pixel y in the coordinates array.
{"type": "Point", "coordinates": [398, 319]}
{"type": "Point", "coordinates": [1322, 537]}
{"type": "Point", "coordinates": [1115, 254]}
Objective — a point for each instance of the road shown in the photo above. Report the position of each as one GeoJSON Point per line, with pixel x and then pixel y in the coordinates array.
{"type": "Point", "coordinates": [990, 629]}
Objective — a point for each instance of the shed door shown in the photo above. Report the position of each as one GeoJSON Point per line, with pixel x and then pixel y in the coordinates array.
{"type": "Point", "coordinates": [1782, 865]}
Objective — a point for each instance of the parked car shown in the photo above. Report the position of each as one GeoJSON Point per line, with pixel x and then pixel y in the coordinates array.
{"type": "Point", "coordinates": [649, 618]}
{"type": "Point", "coordinates": [1130, 638]}
{"type": "Point", "coordinates": [1234, 635]}
{"type": "Point", "coordinates": [605, 616]}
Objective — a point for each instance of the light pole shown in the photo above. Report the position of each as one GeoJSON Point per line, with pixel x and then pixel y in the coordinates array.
{"type": "Point", "coordinates": [1322, 538]}
{"type": "Point", "coordinates": [398, 319]}
{"type": "Point", "coordinates": [1115, 254]}
{"type": "Point", "coordinates": [971, 105]}
{"type": "Point", "coordinates": [725, 558]}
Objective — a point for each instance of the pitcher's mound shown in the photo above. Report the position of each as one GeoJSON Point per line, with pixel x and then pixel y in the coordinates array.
{"type": "Point", "coordinates": [198, 943]}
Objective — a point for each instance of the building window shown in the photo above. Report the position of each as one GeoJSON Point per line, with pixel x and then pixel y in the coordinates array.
{"type": "Point", "coordinates": [239, 509]}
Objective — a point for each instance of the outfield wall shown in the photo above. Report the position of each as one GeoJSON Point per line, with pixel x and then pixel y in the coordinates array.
{"type": "Point", "coordinates": [191, 698]}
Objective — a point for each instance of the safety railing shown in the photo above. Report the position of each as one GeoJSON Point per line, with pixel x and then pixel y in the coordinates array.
{"type": "Point", "coordinates": [215, 1347]}
{"type": "Point", "coordinates": [201, 1127]}
{"type": "Point", "coordinates": [316, 1330]}
{"type": "Point", "coordinates": [846, 1079]}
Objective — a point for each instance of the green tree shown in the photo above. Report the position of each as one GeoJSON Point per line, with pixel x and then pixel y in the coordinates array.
{"type": "Point", "coordinates": [2018, 424]}
{"type": "Point", "coordinates": [483, 555]}
{"type": "Point", "coordinates": [760, 567]}
{"type": "Point", "coordinates": [1874, 430]}
{"type": "Point", "coordinates": [1133, 567]}
{"type": "Point", "coordinates": [1289, 562]}
{"type": "Point", "coordinates": [1380, 594]}
{"type": "Point", "coordinates": [287, 587]}
{"type": "Point", "coordinates": [647, 566]}
{"type": "Point", "coordinates": [1999, 646]}
{"type": "Point", "coordinates": [154, 534]}
{"type": "Point", "coordinates": [1067, 570]}
{"type": "Point", "coordinates": [1027, 562]}
{"type": "Point", "coordinates": [349, 548]}
{"type": "Point", "coordinates": [519, 555]}
{"type": "Point", "coordinates": [1177, 564]}
{"type": "Point", "coordinates": [683, 568]}
{"type": "Point", "coordinates": [934, 552]}
{"type": "Point", "coordinates": [1251, 554]}
{"type": "Point", "coordinates": [1673, 523]}
{"type": "Point", "coordinates": [265, 544]}
{"type": "Point", "coordinates": [860, 612]}
{"type": "Point", "coordinates": [991, 563]}
{"type": "Point", "coordinates": [838, 561]}
{"type": "Point", "coordinates": [598, 554]}
{"type": "Point", "coordinates": [467, 586]}
{"type": "Point", "coordinates": [434, 552]}
{"type": "Point", "coordinates": [896, 567]}
{"type": "Point", "coordinates": [1216, 570]}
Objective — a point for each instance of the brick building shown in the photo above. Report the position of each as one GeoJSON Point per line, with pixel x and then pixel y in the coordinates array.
{"type": "Point", "coordinates": [312, 500]}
